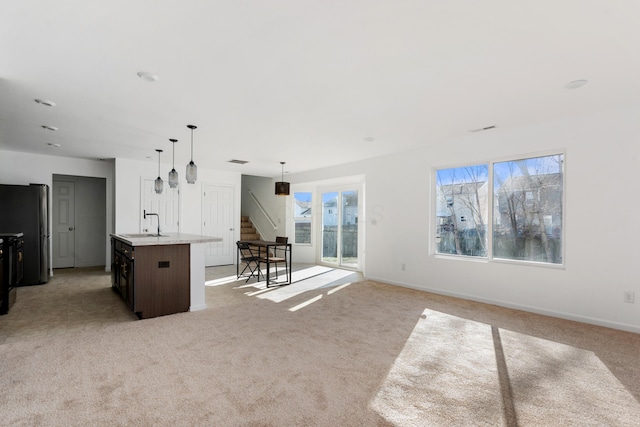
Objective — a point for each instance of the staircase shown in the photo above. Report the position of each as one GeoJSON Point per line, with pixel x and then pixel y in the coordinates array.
{"type": "Point", "coordinates": [247, 230]}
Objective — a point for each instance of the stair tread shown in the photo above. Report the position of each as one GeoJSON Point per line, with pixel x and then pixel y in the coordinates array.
{"type": "Point", "coordinates": [247, 230]}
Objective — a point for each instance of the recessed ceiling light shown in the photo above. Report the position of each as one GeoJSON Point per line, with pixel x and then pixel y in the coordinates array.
{"type": "Point", "coordinates": [369, 139]}
{"type": "Point", "coordinates": [576, 84]}
{"type": "Point", "coordinates": [147, 76]}
{"type": "Point", "coordinates": [45, 102]}
{"type": "Point", "coordinates": [51, 144]}
{"type": "Point", "coordinates": [47, 127]}
{"type": "Point", "coordinates": [239, 162]}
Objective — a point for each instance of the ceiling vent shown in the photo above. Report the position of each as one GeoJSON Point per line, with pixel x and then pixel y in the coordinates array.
{"type": "Point", "coordinates": [239, 162]}
{"type": "Point", "coordinates": [45, 102]}
{"type": "Point", "coordinates": [483, 129]}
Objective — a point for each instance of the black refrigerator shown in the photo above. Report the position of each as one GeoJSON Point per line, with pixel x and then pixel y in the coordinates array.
{"type": "Point", "coordinates": [25, 209]}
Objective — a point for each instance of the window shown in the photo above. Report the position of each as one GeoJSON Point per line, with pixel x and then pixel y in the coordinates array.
{"type": "Point", "coordinates": [461, 211]}
{"type": "Point", "coordinates": [525, 203]}
{"type": "Point", "coordinates": [302, 217]}
{"type": "Point", "coordinates": [527, 209]}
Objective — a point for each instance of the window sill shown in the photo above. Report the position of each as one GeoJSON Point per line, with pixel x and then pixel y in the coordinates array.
{"type": "Point", "coordinates": [485, 260]}
{"type": "Point", "coordinates": [461, 258]}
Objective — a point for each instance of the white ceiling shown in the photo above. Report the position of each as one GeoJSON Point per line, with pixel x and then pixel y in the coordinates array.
{"type": "Point", "coordinates": [302, 81]}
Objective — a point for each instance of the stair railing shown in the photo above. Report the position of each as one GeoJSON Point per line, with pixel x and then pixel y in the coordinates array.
{"type": "Point", "coordinates": [264, 212]}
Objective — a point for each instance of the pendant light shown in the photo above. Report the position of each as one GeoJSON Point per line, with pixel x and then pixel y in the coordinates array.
{"type": "Point", "coordinates": [192, 169]}
{"type": "Point", "coordinates": [173, 175]}
{"type": "Point", "coordinates": [282, 188]}
{"type": "Point", "coordinates": [158, 184]}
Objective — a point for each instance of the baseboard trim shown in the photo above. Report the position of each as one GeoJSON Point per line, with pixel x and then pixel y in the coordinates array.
{"type": "Point", "coordinates": [197, 307]}
{"type": "Point", "coordinates": [531, 309]}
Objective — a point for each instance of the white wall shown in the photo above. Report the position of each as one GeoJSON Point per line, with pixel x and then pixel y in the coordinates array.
{"type": "Point", "coordinates": [128, 195]}
{"type": "Point", "coordinates": [23, 168]}
{"type": "Point", "coordinates": [123, 179]}
{"type": "Point", "coordinates": [601, 235]}
{"type": "Point", "coordinates": [274, 206]}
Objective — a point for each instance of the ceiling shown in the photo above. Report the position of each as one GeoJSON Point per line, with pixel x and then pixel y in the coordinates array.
{"type": "Point", "coordinates": [305, 82]}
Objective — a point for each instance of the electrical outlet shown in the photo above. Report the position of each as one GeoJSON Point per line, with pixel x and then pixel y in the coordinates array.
{"type": "Point", "coordinates": [629, 296]}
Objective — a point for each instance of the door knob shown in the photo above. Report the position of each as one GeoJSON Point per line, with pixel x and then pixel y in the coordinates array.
{"type": "Point", "coordinates": [70, 228]}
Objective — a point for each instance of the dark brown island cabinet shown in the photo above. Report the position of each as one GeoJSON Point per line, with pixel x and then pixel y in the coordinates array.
{"type": "Point", "coordinates": [153, 280]}
{"type": "Point", "coordinates": [160, 274]}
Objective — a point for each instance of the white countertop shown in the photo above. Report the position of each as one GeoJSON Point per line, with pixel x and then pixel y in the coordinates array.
{"type": "Point", "coordinates": [164, 239]}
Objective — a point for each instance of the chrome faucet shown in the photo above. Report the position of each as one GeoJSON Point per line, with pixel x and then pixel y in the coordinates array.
{"type": "Point", "coordinates": [145, 217]}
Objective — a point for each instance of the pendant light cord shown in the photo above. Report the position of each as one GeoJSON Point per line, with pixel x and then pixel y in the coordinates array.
{"type": "Point", "coordinates": [192, 144]}
{"type": "Point", "coordinates": [159, 151]}
{"type": "Point", "coordinates": [192, 127]}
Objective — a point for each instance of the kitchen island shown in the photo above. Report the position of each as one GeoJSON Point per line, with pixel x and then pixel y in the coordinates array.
{"type": "Point", "coordinates": [159, 275]}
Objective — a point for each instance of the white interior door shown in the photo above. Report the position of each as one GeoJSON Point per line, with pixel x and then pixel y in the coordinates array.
{"type": "Point", "coordinates": [218, 218]}
{"type": "Point", "coordinates": [63, 213]}
{"type": "Point", "coordinates": [165, 204]}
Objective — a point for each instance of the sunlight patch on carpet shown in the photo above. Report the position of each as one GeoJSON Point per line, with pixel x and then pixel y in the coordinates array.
{"type": "Point", "coordinates": [337, 288]}
{"type": "Point", "coordinates": [323, 277]}
{"type": "Point", "coordinates": [307, 273]}
{"type": "Point", "coordinates": [306, 303]}
{"type": "Point", "coordinates": [447, 373]}
{"type": "Point", "coordinates": [258, 292]}
{"type": "Point", "coordinates": [318, 297]}
{"type": "Point", "coordinates": [296, 276]}
{"type": "Point", "coordinates": [221, 281]}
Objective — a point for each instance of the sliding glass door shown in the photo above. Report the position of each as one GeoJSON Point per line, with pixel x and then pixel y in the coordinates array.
{"type": "Point", "coordinates": [340, 210]}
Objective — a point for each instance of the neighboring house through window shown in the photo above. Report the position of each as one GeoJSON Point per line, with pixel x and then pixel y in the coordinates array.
{"type": "Point", "coordinates": [302, 210]}
{"type": "Point", "coordinates": [524, 199]}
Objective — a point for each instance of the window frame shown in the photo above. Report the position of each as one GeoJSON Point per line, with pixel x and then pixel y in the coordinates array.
{"type": "Point", "coordinates": [490, 258]}
{"type": "Point", "coordinates": [308, 219]}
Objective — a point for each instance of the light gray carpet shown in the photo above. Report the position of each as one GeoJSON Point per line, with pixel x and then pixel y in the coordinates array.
{"type": "Point", "coordinates": [356, 354]}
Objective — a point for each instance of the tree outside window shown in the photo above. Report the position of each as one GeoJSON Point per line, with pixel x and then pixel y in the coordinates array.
{"type": "Point", "coordinates": [527, 215]}
{"type": "Point", "coordinates": [461, 210]}
{"type": "Point", "coordinates": [527, 197]}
